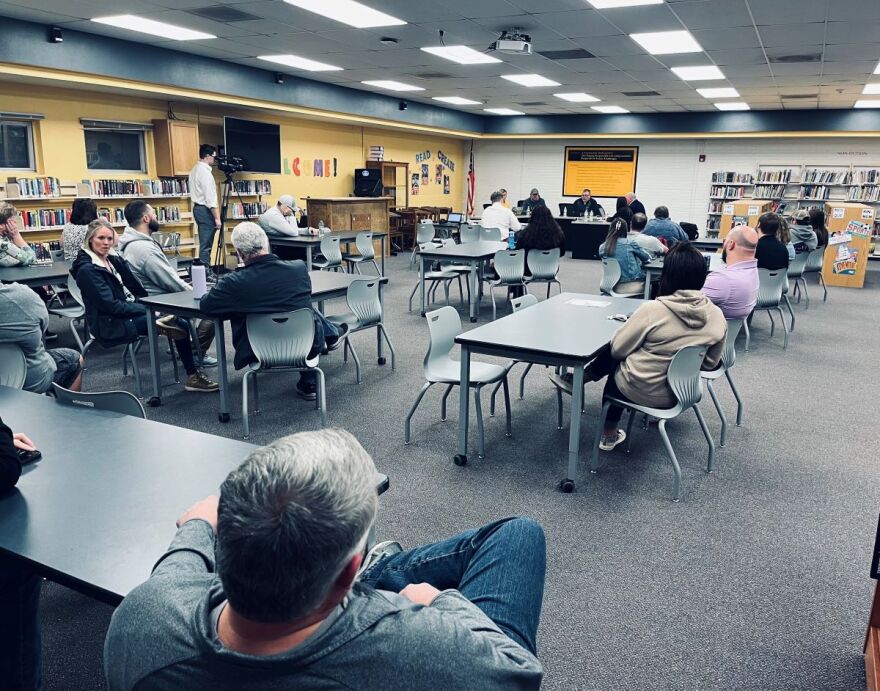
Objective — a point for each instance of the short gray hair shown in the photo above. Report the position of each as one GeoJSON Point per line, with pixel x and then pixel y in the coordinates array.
{"type": "Point", "coordinates": [290, 518]}
{"type": "Point", "coordinates": [7, 211]}
{"type": "Point", "coordinates": [249, 239]}
{"type": "Point", "coordinates": [496, 197]}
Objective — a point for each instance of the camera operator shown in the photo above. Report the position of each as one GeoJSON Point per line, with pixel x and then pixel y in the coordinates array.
{"type": "Point", "coordinates": [206, 210]}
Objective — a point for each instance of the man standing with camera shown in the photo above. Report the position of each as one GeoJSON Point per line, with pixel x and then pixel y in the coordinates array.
{"type": "Point", "coordinates": [206, 210]}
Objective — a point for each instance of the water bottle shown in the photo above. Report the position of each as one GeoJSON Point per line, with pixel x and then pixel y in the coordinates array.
{"type": "Point", "coordinates": [199, 280]}
{"type": "Point", "coordinates": [320, 228]}
{"type": "Point", "coordinates": [511, 240]}
{"type": "Point", "coordinates": [565, 210]}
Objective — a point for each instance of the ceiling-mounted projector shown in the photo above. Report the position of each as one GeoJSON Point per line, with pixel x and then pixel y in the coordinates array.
{"type": "Point", "coordinates": [513, 42]}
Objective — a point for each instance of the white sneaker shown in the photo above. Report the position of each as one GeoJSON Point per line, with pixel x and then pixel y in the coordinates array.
{"type": "Point", "coordinates": [609, 443]}
{"type": "Point", "coordinates": [378, 552]}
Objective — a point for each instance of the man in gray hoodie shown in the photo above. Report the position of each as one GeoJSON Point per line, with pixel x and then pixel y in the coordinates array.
{"type": "Point", "coordinates": [152, 268]}
{"type": "Point", "coordinates": [803, 237]}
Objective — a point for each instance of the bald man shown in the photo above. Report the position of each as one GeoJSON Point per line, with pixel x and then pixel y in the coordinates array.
{"type": "Point", "coordinates": [735, 287]}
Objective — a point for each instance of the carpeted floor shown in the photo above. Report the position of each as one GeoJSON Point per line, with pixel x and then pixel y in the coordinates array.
{"type": "Point", "coordinates": [758, 578]}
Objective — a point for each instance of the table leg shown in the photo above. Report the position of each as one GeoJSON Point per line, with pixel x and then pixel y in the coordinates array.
{"type": "Point", "coordinates": [382, 245]}
{"type": "Point", "coordinates": [309, 257]}
{"type": "Point", "coordinates": [421, 284]}
{"type": "Point", "coordinates": [153, 338]}
{"type": "Point", "coordinates": [220, 341]}
{"type": "Point", "coordinates": [464, 406]}
{"type": "Point", "coordinates": [472, 292]}
{"type": "Point", "coordinates": [381, 359]}
{"type": "Point", "coordinates": [574, 437]}
{"type": "Point", "coordinates": [647, 294]}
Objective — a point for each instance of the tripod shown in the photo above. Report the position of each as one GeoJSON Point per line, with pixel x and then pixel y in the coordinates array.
{"type": "Point", "coordinates": [219, 258]}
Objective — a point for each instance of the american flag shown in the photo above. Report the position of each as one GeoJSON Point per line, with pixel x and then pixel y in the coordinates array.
{"type": "Point", "coordinates": [472, 178]}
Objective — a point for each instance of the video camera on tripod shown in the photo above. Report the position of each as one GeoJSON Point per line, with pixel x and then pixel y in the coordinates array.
{"type": "Point", "coordinates": [230, 164]}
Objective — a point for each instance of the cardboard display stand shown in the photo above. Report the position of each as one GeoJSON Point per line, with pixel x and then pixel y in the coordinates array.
{"type": "Point", "coordinates": [743, 212]}
{"type": "Point", "coordinates": [845, 262]}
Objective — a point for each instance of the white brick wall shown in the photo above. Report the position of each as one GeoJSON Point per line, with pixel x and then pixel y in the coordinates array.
{"type": "Point", "coordinates": [668, 172]}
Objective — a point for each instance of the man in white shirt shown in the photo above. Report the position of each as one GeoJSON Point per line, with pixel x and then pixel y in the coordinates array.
{"type": "Point", "coordinates": [206, 210]}
{"type": "Point", "coordinates": [647, 242]}
{"type": "Point", "coordinates": [281, 218]}
{"type": "Point", "coordinates": [498, 216]}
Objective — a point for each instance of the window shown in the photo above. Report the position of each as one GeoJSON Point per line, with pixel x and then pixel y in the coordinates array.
{"type": "Point", "coordinates": [16, 145]}
{"type": "Point", "coordinates": [117, 149]}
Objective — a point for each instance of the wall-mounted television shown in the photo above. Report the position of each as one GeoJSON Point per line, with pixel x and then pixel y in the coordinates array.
{"type": "Point", "coordinates": [257, 143]}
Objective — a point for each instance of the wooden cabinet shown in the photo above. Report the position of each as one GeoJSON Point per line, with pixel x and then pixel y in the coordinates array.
{"type": "Point", "coordinates": [350, 213]}
{"type": "Point", "coordinates": [395, 181]}
{"type": "Point", "coordinates": [748, 209]}
{"type": "Point", "coordinates": [177, 146]}
{"type": "Point", "coordinates": [845, 264]}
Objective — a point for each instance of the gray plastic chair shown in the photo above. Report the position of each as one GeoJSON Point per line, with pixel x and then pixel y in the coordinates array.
{"type": "Point", "coordinates": [366, 313]}
{"type": "Point", "coordinates": [510, 265]}
{"type": "Point", "coordinates": [444, 325]}
{"type": "Point", "coordinates": [468, 233]}
{"type": "Point", "coordinates": [13, 366]}
{"type": "Point", "coordinates": [728, 360]}
{"type": "Point", "coordinates": [436, 278]}
{"type": "Point", "coordinates": [425, 233]}
{"type": "Point", "coordinates": [771, 287]}
{"type": "Point", "coordinates": [115, 401]}
{"type": "Point", "coordinates": [683, 377]}
{"type": "Point", "coordinates": [332, 254]}
{"type": "Point", "coordinates": [76, 313]}
{"type": "Point", "coordinates": [516, 304]}
{"type": "Point", "coordinates": [611, 274]}
{"type": "Point", "coordinates": [812, 267]}
{"type": "Point", "coordinates": [544, 266]}
{"type": "Point", "coordinates": [281, 341]}
{"type": "Point", "coordinates": [366, 253]}
{"type": "Point", "coordinates": [491, 235]}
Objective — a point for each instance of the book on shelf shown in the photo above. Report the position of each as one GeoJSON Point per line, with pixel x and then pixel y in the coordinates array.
{"type": "Point", "coordinates": [727, 176]}
{"type": "Point", "coordinates": [36, 219]}
{"type": "Point", "coordinates": [775, 175]}
{"type": "Point", "coordinates": [769, 191]}
{"type": "Point", "coordinates": [828, 177]}
{"type": "Point", "coordinates": [32, 188]}
{"type": "Point", "coordinates": [864, 194]}
{"type": "Point", "coordinates": [376, 153]}
{"type": "Point", "coordinates": [43, 250]}
{"type": "Point", "coordinates": [162, 187]}
{"type": "Point", "coordinates": [727, 192]}
{"type": "Point", "coordinates": [259, 187]}
{"type": "Point", "coordinates": [815, 192]}
{"type": "Point", "coordinates": [866, 177]}
{"type": "Point", "coordinates": [239, 211]}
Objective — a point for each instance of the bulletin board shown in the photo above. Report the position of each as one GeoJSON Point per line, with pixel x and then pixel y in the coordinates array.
{"type": "Point", "coordinates": [608, 171]}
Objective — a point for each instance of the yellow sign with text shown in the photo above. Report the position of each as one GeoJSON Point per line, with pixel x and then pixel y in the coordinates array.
{"type": "Point", "coordinates": [607, 171]}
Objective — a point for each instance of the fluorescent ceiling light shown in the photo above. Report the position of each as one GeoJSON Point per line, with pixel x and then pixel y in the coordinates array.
{"type": "Point", "coordinates": [461, 54]}
{"type": "Point", "coordinates": [456, 100]}
{"type": "Point", "coordinates": [867, 103]}
{"type": "Point", "coordinates": [721, 92]}
{"type": "Point", "coordinates": [392, 85]}
{"type": "Point", "coordinates": [667, 42]}
{"type": "Point", "coordinates": [609, 109]}
{"type": "Point", "coordinates": [872, 89]}
{"type": "Point", "coordinates": [696, 74]}
{"type": "Point", "coordinates": [578, 97]}
{"type": "Point", "coordinates": [348, 12]}
{"type": "Point", "coordinates": [611, 4]}
{"type": "Point", "coordinates": [151, 26]}
{"type": "Point", "coordinates": [732, 105]}
{"type": "Point", "coordinates": [503, 111]}
{"type": "Point", "coordinates": [529, 79]}
{"type": "Point", "coordinates": [300, 63]}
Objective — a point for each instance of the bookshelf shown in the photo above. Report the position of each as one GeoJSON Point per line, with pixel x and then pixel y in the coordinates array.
{"type": "Point", "coordinates": [395, 181]}
{"type": "Point", "coordinates": [726, 186]}
{"type": "Point", "coordinates": [242, 204]}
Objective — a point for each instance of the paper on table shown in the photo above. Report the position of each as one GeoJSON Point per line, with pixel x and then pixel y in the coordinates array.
{"type": "Point", "coordinates": [587, 303]}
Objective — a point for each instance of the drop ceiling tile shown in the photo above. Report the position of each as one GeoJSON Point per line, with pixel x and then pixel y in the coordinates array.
{"type": "Point", "coordinates": [745, 72]}
{"type": "Point", "coordinates": [644, 18]}
{"type": "Point", "coordinates": [789, 12]}
{"type": "Point", "coordinates": [853, 32]}
{"type": "Point", "coordinates": [705, 14]}
{"type": "Point", "coordinates": [854, 69]}
{"type": "Point", "coordinates": [730, 38]}
{"type": "Point", "coordinates": [462, 31]}
{"type": "Point", "coordinates": [580, 24]}
{"type": "Point", "coordinates": [417, 12]}
{"type": "Point", "coordinates": [610, 46]}
{"type": "Point", "coordinates": [540, 6]}
{"type": "Point", "coordinates": [528, 23]}
{"type": "Point", "coordinates": [785, 36]}
{"type": "Point", "coordinates": [737, 58]}
{"type": "Point", "coordinates": [854, 10]}
{"type": "Point", "coordinates": [851, 52]}
{"type": "Point", "coordinates": [634, 62]}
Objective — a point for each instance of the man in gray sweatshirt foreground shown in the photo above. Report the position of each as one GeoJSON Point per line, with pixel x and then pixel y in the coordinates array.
{"type": "Point", "coordinates": [287, 599]}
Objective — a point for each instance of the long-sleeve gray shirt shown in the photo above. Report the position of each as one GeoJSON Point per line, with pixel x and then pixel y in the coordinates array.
{"type": "Point", "coordinates": [23, 321]}
{"type": "Point", "coordinates": [276, 223]}
{"type": "Point", "coordinates": [163, 636]}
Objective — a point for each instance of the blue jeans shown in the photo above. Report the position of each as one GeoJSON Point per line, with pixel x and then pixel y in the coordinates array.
{"type": "Point", "coordinates": [205, 221]}
{"type": "Point", "coordinates": [499, 567]}
{"type": "Point", "coordinates": [20, 655]}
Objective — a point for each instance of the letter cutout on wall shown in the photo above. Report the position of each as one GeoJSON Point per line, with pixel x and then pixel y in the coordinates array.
{"type": "Point", "coordinates": [296, 166]}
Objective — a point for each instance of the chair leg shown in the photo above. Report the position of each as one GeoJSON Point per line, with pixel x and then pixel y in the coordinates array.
{"type": "Point", "coordinates": [784, 327]}
{"type": "Point", "coordinates": [739, 403]}
{"type": "Point", "coordinates": [676, 469]}
{"type": "Point", "coordinates": [719, 409]}
{"type": "Point", "coordinates": [357, 267]}
{"type": "Point", "coordinates": [492, 399]}
{"type": "Point", "coordinates": [173, 348]}
{"type": "Point", "coordinates": [824, 287]}
{"type": "Point", "coordinates": [443, 402]}
{"type": "Point", "coordinates": [322, 395]}
{"type": "Point", "coordinates": [710, 464]}
{"type": "Point", "coordinates": [245, 422]}
{"type": "Point", "coordinates": [748, 335]}
{"type": "Point", "coordinates": [354, 356]}
{"type": "Point", "coordinates": [461, 292]}
{"type": "Point", "coordinates": [548, 290]}
{"type": "Point", "coordinates": [384, 333]}
{"type": "Point", "coordinates": [492, 294]}
{"type": "Point", "coordinates": [802, 283]}
{"type": "Point", "coordinates": [558, 407]}
{"type": "Point", "coordinates": [446, 290]}
{"type": "Point", "coordinates": [481, 452]}
{"type": "Point", "coordinates": [419, 397]}
{"type": "Point", "coordinates": [415, 288]}
{"type": "Point", "coordinates": [75, 333]}
{"type": "Point", "coordinates": [507, 404]}
{"type": "Point", "coordinates": [629, 426]}
{"type": "Point", "coordinates": [378, 270]}
{"type": "Point", "coordinates": [522, 381]}
{"type": "Point", "coordinates": [594, 458]}
{"type": "Point", "coordinates": [790, 311]}
{"type": "Point", "coordinates": [135, 369]}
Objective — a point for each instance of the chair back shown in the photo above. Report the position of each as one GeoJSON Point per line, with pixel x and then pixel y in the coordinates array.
{"type": "Point", "coordinates": [728, 355]}
{"type": "Point", "coordinates": [283, 339]}
{"type": "Point", "coordinates": [610, 275]}
{"type": "Point", "coordinates": [425, 232]}
{"type": "Point", "coordinates": [510, 265]}
{"type": "Point", "coordinates": [364, 244]}
{"type": "Point", "coordinates": [523, 301]}
{"type": "Point", "coordinates": [771, 285]}
{"type": "Point", "coordinates": [797, 265]}
{"type": "Point", "coordinates": [491, 235]}
{"type": "Point", "coordinates": [330, 249]}
{"type": "Point", "coordinates": [683, 375]}
{"type": "Point", "coordinates": [115, 401]}
{"type": "Point", "coordinates": [815, 260]}
{"type": "Point", "coordinates": [13, 366]}
{"type": "Point", "coordinates": [543, 264]}
{"type": "Point", "coordinates": [73, 289]}
{"type": "Point", "coordinates": [468, 233]}
{"type": "Point", "coordinates": [363, 301]}
{"type": "Point", "coordinates": [444, 325]}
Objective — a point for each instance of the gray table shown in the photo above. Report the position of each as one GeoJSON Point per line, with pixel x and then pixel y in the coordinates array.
{"type": "Point", "coordinates": [555, 332]}
{"type": "Point", "coordinates": [326, 285]}
{"type": "Point", "coordinates": [655, 267]}
{"type": "Point", "coordinates": [36, 274]}
{"type": "Point", "coordinates": [313, 242]}
{"type": "Point", "coordinates": [708, 244]}
{"type": "Point", "coordinates": [471, 253]}
{"type": "Point", "coordinates": [96, 516]}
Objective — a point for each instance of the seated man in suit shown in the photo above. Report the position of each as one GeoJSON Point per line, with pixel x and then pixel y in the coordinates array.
{"type": "Point", "coordinates": [269, 587]}
{"type": "Point", "coordinates": [585, 205]}
{"type": "Point", "coordinates": [266, 284]}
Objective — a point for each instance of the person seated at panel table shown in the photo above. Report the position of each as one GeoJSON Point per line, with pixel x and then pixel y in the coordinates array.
{"type": "Point", "coordinates": [633, 203]}
{"type": "Point", "coordinates": [734, 288]}
{"type": "Point", "coordinates": [629, 255]}
{"type": "Point", "coordinates": [533, 202]}
{"type": "Point", "coordinates": [262, 285]}
{"type": "Point", "coordinates": [14, 251]}
{"type": "Point", "coordinates": [646, 242]}
{"type": "Point", "coordinates": [585, 205]}
{"type": "Point", "coordinates": [803, 237]}
{"type": "Point", "coordinates": [153, 269]}
{"type": "Point", "coordinates": [771, 253]}
{"type": "Point", "coordinates": [498, 216]}
{"type": "Point", "coordinates": [504, 202]}
{"type": "Point", "coordinates": [280, 219]}
{"type": "Point", "coordinates": [271, 586]}
{"type": "Point", "coordinates": [110, 290]}
{"type": "Point", "coordinates": [640, 351]}
{"type": "Point", "coordinates": [667, 230]}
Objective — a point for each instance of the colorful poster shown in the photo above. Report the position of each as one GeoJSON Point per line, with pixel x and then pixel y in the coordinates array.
{"type": "Point", "coordinates": [414, 185]}
{"type": "Point", "coordinates": [847, 266]}
{"type": "Point", "coordinates": [445, 184]}
{"type": "Point", "coordinates": [438, 174]}
{"type": "Point", "coordinates": [610, 171]}
{"type": "Point", "coordinates": [426, 175]}
{"type": "Point", "coordinates": [857, 228]}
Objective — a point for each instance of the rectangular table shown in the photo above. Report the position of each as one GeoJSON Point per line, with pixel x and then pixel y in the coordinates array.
{"type": "Point", "coordinates": [655, 267]}
{"type": "Point", "coordinates": [582, 236]}
{"type": "Point", "coordinates": [563, 331]}
{"type": "Point", "coordinates": [96, 515]}
{"type": "Point", "coordinates": [326, 285]}
{"type": "Point", "coordinates": [36, 274]}
{"type": "Point", "coordinates": [313, 242]}
{"type": "Point", "coordinates": [470, 253]}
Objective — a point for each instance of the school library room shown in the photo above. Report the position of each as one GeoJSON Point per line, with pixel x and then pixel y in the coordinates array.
{"type": "Point", "coordinates": [481, 344]}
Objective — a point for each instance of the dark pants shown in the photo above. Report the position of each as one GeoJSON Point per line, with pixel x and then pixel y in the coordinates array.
{"type": "Point", "coordinates": [606, 366]}
{"type": "Point", "coordinates": [499, 568]}
{"type": "Point", "coordinates": [205, 221]}
{"type": "Point", "coordinates": [184, 347]}
{"type": "Point", "coordinates": [20, 655]}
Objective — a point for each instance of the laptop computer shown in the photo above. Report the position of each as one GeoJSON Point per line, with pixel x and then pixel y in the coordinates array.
{"type": "Point", "coordinates": [454, 218]}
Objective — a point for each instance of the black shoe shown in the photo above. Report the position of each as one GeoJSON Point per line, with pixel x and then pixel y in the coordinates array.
{"type": "Point", "coordinates": [309, 393]}
{"type": "Point", "coordinates": [333, 344]}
